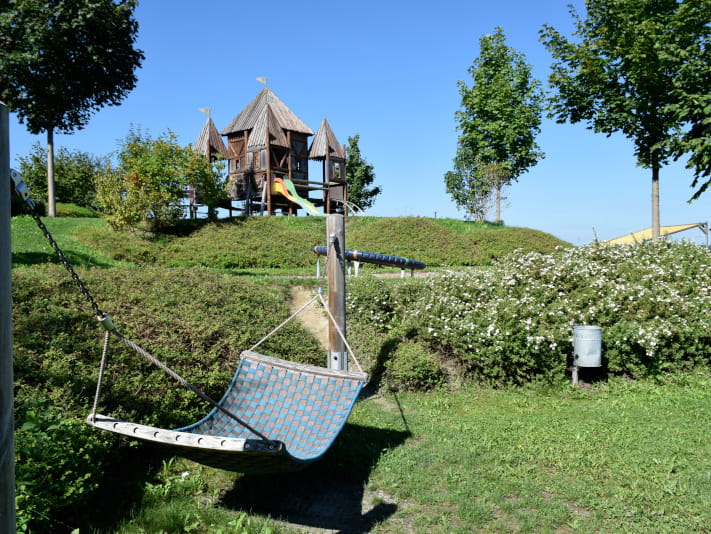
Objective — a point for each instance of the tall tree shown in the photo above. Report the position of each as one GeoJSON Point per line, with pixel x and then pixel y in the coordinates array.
{"type": "Point", "coordinates": [468, 186]}
{"type": "Point", "coordinates": [621, 73]}
{"type": "Point", "coordinates": [62, 60]}
{"type": "Point", "coordinates": [359, 176]}
{"type": "Point", "coordinates": [500, 116]}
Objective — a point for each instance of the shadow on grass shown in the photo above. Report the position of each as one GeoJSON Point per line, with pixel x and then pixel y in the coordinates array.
{"type": "Point", "coordinates": [40, 258]}
{"type": "Point", "coordinates": [329, 494]}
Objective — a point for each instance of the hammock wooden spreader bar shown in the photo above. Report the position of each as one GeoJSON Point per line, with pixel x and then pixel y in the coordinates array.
{"type": "Point", "coordinates": [302, 408]}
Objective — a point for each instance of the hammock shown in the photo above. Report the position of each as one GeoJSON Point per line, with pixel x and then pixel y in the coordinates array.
{"type": "Point", "coordinates": [295, 410]}
{"type": "Point", "coordinates": [302, 408]}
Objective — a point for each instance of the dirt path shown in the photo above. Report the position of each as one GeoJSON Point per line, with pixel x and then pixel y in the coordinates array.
{"type": "Point", "coordinates": [314, 317]}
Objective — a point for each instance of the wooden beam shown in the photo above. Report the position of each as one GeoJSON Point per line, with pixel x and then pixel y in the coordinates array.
{"type": "Point", "coordinates": [336, 268]}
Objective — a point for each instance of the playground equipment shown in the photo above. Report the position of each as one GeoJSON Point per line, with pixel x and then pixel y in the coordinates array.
{"type": "Point", "coordinates": [268, 153]}
{"type": "Point", "coordinates": [357, 256]}
{"type": "Point", "coordinates": [285, 187]}
{"type": "Point", "coordinates": [276, 415]}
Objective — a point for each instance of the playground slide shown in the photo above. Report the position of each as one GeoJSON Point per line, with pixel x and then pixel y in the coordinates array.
{"type": "Point", "coordinates": [373, 257]}
{"type": "Point", "coordinates": [285, 187]}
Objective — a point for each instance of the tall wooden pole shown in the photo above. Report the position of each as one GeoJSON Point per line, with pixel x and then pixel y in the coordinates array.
{"type": "Point", "coordinates": [7, 438]}
{"type": "Point", "coordinates": [336, 265]}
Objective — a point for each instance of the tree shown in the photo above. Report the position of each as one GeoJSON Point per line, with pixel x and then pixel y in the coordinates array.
{"type": "Point", "coordinates": [75, 170]}
{"type": "Point", "coordinates": [692, 87]}
{"type": "Point", "coordinates": [500, 117]}
{"type": "Point", "coordinates": [359, 176]}
{"type": "Point", "coordinates": [147, 189]}
{"type": "Point", "coordinates": [468, 186]}
{"type": "Point", "coordinates": [61, 61]}
{"type": "Point", "coordinates": [628, 71]}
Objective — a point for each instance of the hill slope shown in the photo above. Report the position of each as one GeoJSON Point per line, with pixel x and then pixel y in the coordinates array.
{"type": "Point", "coordinates": [285, 242]}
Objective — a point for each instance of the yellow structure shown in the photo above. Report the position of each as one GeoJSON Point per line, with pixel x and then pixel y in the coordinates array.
{"type": "Point", "coordinates": [646, 235]}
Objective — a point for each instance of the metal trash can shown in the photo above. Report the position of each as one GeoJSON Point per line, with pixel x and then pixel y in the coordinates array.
{"type": "Point", "coordinates": [587, 346]}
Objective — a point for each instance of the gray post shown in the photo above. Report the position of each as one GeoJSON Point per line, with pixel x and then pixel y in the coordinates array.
{"type": "Point", "coordinates": [7, 438]}
{"type": "Point", "coordinates": [336, 239]}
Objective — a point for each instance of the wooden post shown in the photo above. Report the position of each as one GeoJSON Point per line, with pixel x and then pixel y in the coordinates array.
{"type": "Point", "coordinates": [336, 239]}
{"type": "Point", "coordinates": [7, 437]}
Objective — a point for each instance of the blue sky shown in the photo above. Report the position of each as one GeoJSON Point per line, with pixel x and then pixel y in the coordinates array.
{"type": "Point", "coordinates": [386, 70]}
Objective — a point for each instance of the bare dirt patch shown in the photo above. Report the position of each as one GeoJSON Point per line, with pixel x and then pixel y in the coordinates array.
{"type": "Point", "coordinates": [313, 317]}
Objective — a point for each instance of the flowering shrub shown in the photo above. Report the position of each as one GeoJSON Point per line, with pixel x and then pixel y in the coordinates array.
{"type": "Point", "coordinates": [514, 322]}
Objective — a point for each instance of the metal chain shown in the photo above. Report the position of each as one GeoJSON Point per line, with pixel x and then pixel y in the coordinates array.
{"type": "Point", "coordinates": [68, 266]}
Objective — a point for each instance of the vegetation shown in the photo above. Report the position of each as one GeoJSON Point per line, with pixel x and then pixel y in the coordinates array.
{"type": "Point", "coordinates": [498, 123]}
{"type": "Point", "coordinates": [64, 60]}
{"type": "Point", "coordinates": [621, 74]}
{"type": "Point", "coordinates": [474, 453]}
{"type": "Point", "coordinates": [75, 173]}
{"type": "Point", "coordinates": [147, 188]}
{"type": "Point", "coordinates": [360, 176]}
{"type": "Point", "coordinates": [284, 243]}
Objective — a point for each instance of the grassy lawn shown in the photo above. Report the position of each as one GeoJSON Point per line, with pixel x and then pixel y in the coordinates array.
{"type": "Point", "coordinates": [30, 247]}
{"type": "Point", "coordinates": [620, 456]}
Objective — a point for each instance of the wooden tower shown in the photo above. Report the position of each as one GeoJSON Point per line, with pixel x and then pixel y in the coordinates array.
{"type": "Point", "coordinates": [325, 148]}
{"type": "Point", "coordinates": [266, 140]}
{"type": "Point", "coordinates": [208, 144]}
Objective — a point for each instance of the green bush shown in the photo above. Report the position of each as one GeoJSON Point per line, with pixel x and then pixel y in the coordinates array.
{"type": "Point", "coordinates": [148, 187]}
{"type": "Point", "coordinates": [514, 323]}
{"type": "Point", "coordinates": [412, 367]}
{"type": "Point", "coordinates": [59, 462]}
{"type": "Point", "coordinates": [74, 175]}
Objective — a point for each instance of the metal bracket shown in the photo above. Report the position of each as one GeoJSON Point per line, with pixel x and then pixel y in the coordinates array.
{"type": "Point", "coordinates": [21, 188]}
{"type": "Point", "coordinates": [258, 445]}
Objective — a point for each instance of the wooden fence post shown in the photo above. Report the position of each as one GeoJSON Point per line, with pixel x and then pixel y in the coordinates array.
{"type": "Point", "coordinates": [336, 268]}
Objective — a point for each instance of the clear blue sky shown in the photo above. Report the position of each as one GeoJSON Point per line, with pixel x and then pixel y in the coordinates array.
{"type": "Point", "coordinates": [386, 70]}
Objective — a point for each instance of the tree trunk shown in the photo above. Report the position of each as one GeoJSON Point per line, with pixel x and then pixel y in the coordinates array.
{"type": "Point", "coordinates": [655, 203]}
{"type": "Point", "coordinates": [498, 204]}
{"type": "Point", "coordinates": [51, 206]}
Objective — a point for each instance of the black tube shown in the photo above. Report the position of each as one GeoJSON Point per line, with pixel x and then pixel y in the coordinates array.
{"type": "Point", "coordinates": [373, 257]}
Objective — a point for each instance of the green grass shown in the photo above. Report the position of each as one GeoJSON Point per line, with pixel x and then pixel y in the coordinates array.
{"type": "Point", "coordinates": [30, 247]}
{"type": "Point", "coordinates": [620, 456]}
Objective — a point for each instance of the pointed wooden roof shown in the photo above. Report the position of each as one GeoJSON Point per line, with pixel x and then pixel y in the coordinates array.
{"type": "Point", "coordinates": [209, 140]}
{"type": "Point", "coordinates": [267, 122]}
{"type": "Point", "coordinates": [325, 142]}
{"type": "Point", "coordinates": [249, 116]}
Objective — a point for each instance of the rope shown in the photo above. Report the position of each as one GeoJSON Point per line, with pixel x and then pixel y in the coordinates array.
{"type": "Point", "coordinates": [340, 333]}
{"type": "Point", "coordinates": [283, 324]}
{"type": "Point", "coordinates": [102, 367]}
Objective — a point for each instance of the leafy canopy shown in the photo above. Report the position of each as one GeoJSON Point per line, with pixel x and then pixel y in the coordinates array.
{"type": "Point", "coordinates": [639, 67]}
{"type": "Point", "coordinates": [63, 60]}
{"type": "Point", "coordinates": [499, 119]}
{"type": "Point", "coordinates": [359, 176]}
{"type": "Point", "coordinates": [501, 111]}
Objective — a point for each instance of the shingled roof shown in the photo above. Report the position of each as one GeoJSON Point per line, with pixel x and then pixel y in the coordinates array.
{"type": "Point", "coordinates": [209, 140]}
{"type": "Point", "coordinates": [250, 116]}
{"type": "Point", "coordinates": [267, 122]}
{"type": "Point", "coordinates": [324, 143]}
